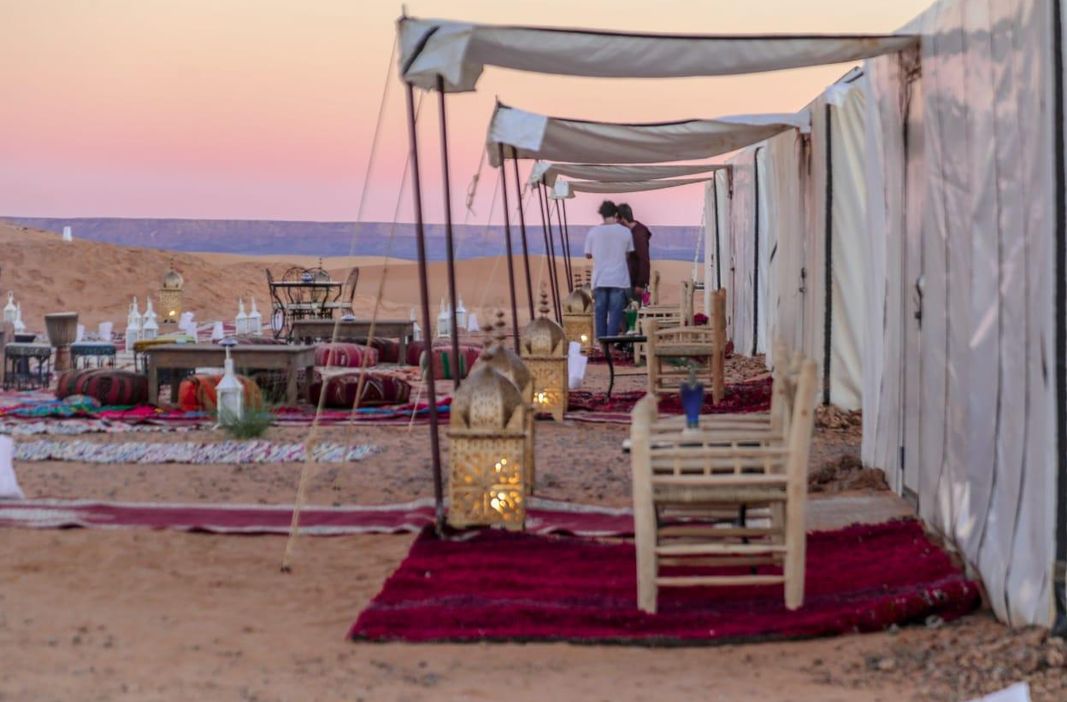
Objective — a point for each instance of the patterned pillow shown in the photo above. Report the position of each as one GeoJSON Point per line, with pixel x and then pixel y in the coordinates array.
{"type": "Point", "coordinates": [198, 393]}
{"type": "Point", "coordinates": [444, 367]}
{"type": "Point", "coordinates": [106, 385]}
{"type": "Point", "coordinates": [378, 389]}
{"type": "Point", "coordinates": [344, 355]}
{"type": "Point", "coordinates": [388, 349]}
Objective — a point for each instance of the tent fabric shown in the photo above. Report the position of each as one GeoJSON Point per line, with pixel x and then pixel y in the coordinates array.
{"type": "Point", "coordinates": [458, 52]}
{"type": "Point", "coordinates": [528, 135]}
{"type": "Point", "coordinates": [960, 377]}
{"type": "Point", "coordinates": [546, 172]}
{"type": "Point", "coordinates": [565, 189]}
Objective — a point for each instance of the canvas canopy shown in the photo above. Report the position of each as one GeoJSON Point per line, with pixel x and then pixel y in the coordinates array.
{"type": "Point", "coordinates": [458, 52]}
{"type": "Point", "coordinates": [529, 135]}
{"type": "Point", "coordinates": [546, 172]}
{"type": "Point", "coordinates": [565, 189]}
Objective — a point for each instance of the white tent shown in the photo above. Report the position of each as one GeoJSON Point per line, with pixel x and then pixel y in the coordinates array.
{"type": "Point", "coordinates": [565, 189]}
{"type": "Point", "coordinates": [529, 135]}
{"type": "Point", "coordinates": [456, 53]}
{"type": "Point", "coordinates": [546, 172]}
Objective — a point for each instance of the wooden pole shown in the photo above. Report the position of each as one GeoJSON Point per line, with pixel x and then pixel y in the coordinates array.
{"type": "Point", "coordinates": [424, 297]}
{"type": "Point", "coordinates": [522, 229]}
{"type": "Point", "coordinates": [457, 365]}
{"type": "Point", "coordinates": [507, 239]}
{"type": "Point", "coordinates": [565, 243]}
{"type": "Point", "coordinates": [550, 252]}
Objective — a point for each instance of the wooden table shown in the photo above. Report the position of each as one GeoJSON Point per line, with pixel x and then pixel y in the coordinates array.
{"type": "Point", "coordinates": [192, 356]}
{"type": "Point", "coordinates": [309, 330]}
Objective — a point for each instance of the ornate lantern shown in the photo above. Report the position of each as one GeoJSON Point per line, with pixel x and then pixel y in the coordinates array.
{"type": "Point", "coordinates": [487, 448]}
{"type": "Point", "coordinates": [544, 350]}
{"type": "Point", "coordinates": [578, 318]}
{"type": "Point", "coordinates": [229, 392]}
{"type": "Point", "coordinates": [170, 295]}
{"type": "Point", "coordinates": [502, 359]}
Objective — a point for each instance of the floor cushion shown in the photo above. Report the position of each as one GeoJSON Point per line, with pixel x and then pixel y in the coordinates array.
{"type": "Point", "coordinates": [345, 355]}
{"type": "Point", "coordinates": [444, 367]}
{"type": "Point", "coordinates": [198, 393]}
{"type": "Point", "coordinates": [106, 385]}
{"type": "Point", "coordinates": [379, 388]}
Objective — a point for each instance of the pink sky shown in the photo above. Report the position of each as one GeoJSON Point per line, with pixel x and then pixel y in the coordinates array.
{"type": "Point", "coordinates": [265, 109]}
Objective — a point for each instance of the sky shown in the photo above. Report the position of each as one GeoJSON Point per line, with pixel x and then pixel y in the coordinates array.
{"type": "Point", "coordinates": [266, 109]}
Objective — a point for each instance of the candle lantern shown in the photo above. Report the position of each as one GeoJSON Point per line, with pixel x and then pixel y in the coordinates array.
{"type": "Point", "coordinates": [240, 322]}
{"type": "Point", "coordinates": [229, 392]}
{"type": "Point", "coordinates": [500, 356]}
{"type": "Point", "coordinates": [487, 448]}
{"type": "Point", "coordinates": [578, 318]}
{"type": "Point", "coordinates": [10, 310]}
{"type": "Point", "coordinates": [544, 350]}
{"type": "Point", "coordinates": [150, 326]}
{"type": "Point", "coordinates": [170, 295]}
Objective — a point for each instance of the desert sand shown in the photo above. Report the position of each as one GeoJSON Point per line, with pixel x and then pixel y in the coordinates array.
{"type": "Point", "coordinates": [141, 615]}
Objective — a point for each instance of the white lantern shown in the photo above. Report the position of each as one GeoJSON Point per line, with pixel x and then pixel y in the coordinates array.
{"type": "Point", "coordinates": [444, 320]}
{"type": "Point", "coordinates": [255, 321]}
{"type": "Point", "coordinates": [20, 327]}
{"type": "Point", "coordinates": [217, 332]}
{"type": "Point", "coordinates": [241, 322]}
{"type": "Point", "coordinates": [10, 309]}
{"type": "Point", "coordinates": [133, 326]}
{"type": "Point", "coordinates": [68, 234]}
{"type": "Point", "coordinates": [416, 330]}
{"type": "Point", "coordinates": [229, 393]}
{"type": "Point", "coordinates": [150, 326]}
{"type": "Point", "coordinates": [461, 315]}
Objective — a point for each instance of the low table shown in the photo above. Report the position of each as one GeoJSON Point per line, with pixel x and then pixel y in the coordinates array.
{"type": "Point", "coordinates": [311, 330]}
{"type": "Point", "coordinates": [18, 374]}
{"type": "Point", "coordinates": [192, 356]}
{"type": "Point", "coordinates": [622, 339]}
{"type": "Point", "coordinates": [99, 352]}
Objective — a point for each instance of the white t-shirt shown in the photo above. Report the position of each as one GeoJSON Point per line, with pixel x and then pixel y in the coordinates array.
{"type": "Point", "coordinates": [609, 244]}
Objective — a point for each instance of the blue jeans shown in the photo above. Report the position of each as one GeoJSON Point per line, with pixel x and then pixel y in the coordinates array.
{"type": "Point", "coordinates": [609, 305]}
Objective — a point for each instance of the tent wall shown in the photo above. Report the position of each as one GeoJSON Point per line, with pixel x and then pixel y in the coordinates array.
{"type": "Point", "coordinates": [744, 244]}
{"type": "Point", "coordinates": [962, 369]}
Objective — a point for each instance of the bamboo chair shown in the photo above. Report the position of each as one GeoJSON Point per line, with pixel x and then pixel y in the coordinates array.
{"type": "Point", "coordinates": [664, 316]}
{"type": "Point", "coordinates": [702, 471]}
{"type": "Point", "coordinates": [699, 345]}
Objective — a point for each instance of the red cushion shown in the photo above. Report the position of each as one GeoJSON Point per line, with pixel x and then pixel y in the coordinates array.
{"type": "Point", "coordinates": [198, 393]}
{"type": "Point", "coordinates": [106, 385]}
{"type": "Point", "coordinates": [378, 389]}
{"type": "Point", "coordinates": [444, 367]}
{"type": "Point", "coordinates": [344, 355]}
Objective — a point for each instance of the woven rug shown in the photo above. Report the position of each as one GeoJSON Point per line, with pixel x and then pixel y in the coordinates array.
{"type": "Point", "coordinates": [751, 396]}
{"type": "Point", "coordinates": [500, 586]}
{"type": "Point", "coordinates": [543, 517]}
{"type": "Point", "coordinates": [191, 452]}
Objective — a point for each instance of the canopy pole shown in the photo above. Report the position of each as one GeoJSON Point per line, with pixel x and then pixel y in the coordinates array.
{"type": "Point", "coordinates": [718, 249]}
{"type": "Point", "coordinates": [424, 296]}
{"type": "Point", "coordinates": [522, 229]}
{"type": "Point", "coordinates": [565, 245]}
{"type": "Point", "coordinates": [570, 262]}
{"type": "Point", "coordinates": [507, 239]}
{"type": "Point", "coordinates": [457, 372]}
{"type": "Point", "coordinates": [556, 302]}
{"type": "Point", "coordinates": [546, 228]}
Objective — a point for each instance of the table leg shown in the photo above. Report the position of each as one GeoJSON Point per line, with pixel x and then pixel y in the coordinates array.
{"type": "Point", "coordinates": [290, 386]}
{"type": "Point", "coordinates": [175, 377]}
{"type": "Point", "coordinates": [403, 351]}
{"type": "Point", "coordinates": [153, 383]}
{"type": "Point", "coordinates": [611, 366]}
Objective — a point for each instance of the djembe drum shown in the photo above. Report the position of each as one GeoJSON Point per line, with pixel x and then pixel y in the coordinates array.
{"type": "Point", "coordinates": [62, 332]}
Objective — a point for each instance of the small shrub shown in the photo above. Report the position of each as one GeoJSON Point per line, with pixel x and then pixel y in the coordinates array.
{"type": "Point", "coordinates": [252, 425]}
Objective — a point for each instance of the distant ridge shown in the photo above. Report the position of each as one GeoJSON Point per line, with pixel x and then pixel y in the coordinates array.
{"type": "Point", "coordinates": [253, 237]}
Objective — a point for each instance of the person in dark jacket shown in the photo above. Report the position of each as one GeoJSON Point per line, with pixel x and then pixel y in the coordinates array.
{"type": "Point", "coordinates": [639, 260]}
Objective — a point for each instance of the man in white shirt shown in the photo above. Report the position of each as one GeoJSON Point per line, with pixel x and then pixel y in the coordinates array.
{"type": "Point", "coordinates": [608, 244]}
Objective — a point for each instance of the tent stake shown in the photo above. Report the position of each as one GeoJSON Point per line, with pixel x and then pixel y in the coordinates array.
{"type": "Point", "coordinates": [424, 295]}
{"type": "Point", "coordinates": [522, 229]}
{"type": "Point", "coordinates": [457, 366]}
{"type": "Point", "coordinates": [507, 239]}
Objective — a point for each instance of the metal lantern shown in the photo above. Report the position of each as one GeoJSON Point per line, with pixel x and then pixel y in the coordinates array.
{"type": "Point", "coordinates": [170, 296]}
{"type": "Point", "coordinates": [487, 449]}
{"type": "Point", "coordinates": [505, 361]}
{"type": "Point", "coordinates": [229, 392]}
{"type": "Point", "coordinates": [544, 351]}
{"type": "Point", "coordinates": [578, 318]}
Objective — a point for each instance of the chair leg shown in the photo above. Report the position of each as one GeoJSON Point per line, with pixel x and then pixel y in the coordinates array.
{"type": "Point", "coordinates": [795, 554]}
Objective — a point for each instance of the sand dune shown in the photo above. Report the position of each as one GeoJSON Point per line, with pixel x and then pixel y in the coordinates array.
{"type": "Point", "coordinates": [98, 280]}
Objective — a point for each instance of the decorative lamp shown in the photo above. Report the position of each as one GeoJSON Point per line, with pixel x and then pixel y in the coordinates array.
{"type": "Point", "coordinates": [505, 361]}
{"type": "Point", "coordinates": [461, 315]}
{"type": "Point", "coordinates": [20, 326]}
{"type": "Point", "coordinates": [578, 317]}
{"type": "Point", "coordinates": [444, 320]}
{"type": "Point", "coordinates": [416, 331]}
{"type": "Point", "coordinates": [170, 295]}
{"type": "Point", "coordinates": [229, 391]}
{"type": "Point", "coordinates": [150, 327]}
{"type": "Point", "coordinates": [255, 321]}
{"type": "Point", "coordinates": [10, 309]}
{"type": "Point", "coordinates": [241, 322]}
{"type": "Point", "coordinates": [217, 332]}
{"type": "Point", "coordinates": [544, 350]}
{"type": "Point", "coordinates": [133, 326]}
{"type": "Point", "coordinates": [487, 446]}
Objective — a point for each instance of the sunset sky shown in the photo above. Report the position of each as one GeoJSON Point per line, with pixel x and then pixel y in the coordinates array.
{"type": "Point", "coordinates": [265, 109]}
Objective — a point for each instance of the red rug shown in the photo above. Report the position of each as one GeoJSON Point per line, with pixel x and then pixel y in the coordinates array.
{"type": "Point", "coordinates": [499, 586]}
{"type": "Point", "coordinates": [751, 396]}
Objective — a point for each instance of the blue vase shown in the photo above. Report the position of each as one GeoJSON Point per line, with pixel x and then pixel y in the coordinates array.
{"type": "Point", "coordinates": [692, 393]}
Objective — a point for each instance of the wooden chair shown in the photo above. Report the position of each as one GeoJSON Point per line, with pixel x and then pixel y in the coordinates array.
{"type": "Point", "coordinates": [702, 471]}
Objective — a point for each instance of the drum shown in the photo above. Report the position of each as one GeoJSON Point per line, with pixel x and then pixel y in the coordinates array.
{"type": "Point", "coordinates": [62, 331]}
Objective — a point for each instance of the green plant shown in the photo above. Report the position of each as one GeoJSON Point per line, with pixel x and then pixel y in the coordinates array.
{"type": "Point", "coordinates": [252, 425]}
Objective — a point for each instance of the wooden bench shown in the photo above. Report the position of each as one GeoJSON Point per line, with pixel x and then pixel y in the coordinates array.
{"type": "Point", "coordinates": [699, 473]}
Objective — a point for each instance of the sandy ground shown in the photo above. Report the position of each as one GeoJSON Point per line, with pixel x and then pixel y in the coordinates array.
{"type": "Point", "coordinates": [139, 615]}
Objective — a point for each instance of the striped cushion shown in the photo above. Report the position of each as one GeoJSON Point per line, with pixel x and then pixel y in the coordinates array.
{"type": "Point", "coordinates": [378, 389]}
{"type": "Point", "coordinates": [106, 385]}
{"type": "Point", "coordinates": [198, 393]}
{"type": "Point", "coordinates": [344, 355]}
